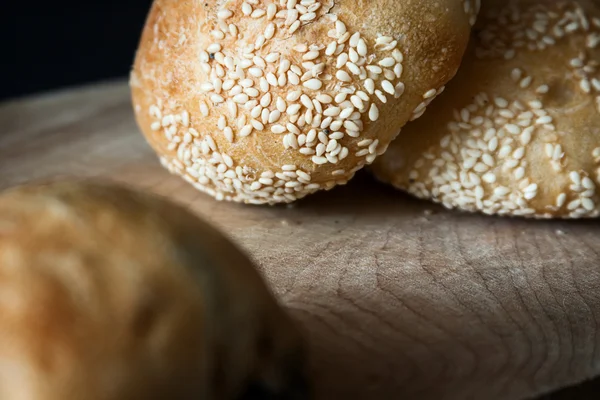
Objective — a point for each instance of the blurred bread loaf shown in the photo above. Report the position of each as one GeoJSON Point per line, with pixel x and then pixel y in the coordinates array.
{"type": "Point", "coordinates": [266, 102]}
{"type": "Point", "coordinates": [518, 130]}
{"type": "Point", "coordinates": [111, 294]}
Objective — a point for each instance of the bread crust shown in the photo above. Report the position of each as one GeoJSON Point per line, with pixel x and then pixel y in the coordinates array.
{"type": "Point", "coordinates": [111, 294]}
{"type": "Point", "coordinates": [518, 130]}
{"type": "Point", "coordinates": [206, 118]}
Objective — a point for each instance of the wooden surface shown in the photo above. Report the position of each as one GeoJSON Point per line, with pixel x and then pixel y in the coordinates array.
{"type": "Point", "coordinates": [398, 302]}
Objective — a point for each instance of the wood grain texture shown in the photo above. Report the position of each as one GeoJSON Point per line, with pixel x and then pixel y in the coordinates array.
{"type": "Point", "coordinates": [397, 302]}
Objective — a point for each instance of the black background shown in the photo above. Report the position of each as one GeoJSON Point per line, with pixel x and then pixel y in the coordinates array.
{"type": "Point", "coordinates": [52, 44]}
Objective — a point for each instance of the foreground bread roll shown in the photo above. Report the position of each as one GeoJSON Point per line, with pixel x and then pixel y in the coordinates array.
{"type": "Point", "coordinates": [518, 130]}
{"type": "Point", "coordinates": [109, 294]}
{"type": "Point", "coordinates": [266, 102]}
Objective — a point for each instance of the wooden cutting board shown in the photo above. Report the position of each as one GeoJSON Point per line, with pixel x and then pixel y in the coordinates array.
{"type": "Point", "coordinates": [400, 299]}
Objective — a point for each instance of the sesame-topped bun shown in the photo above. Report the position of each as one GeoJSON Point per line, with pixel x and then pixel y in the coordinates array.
{"type": "Point", "coordinates": [518, 130]}
{"type": "Point", "coordinates": [268, 101]}
{"type": "Point", "coordinates": [111, 294]}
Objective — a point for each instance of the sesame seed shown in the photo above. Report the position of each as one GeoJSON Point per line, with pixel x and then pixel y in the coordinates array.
{"type": "Point", "coordinates": [340, 27]}
{"type": "Point", "coordinates": [343, 76]}
{"type": "Point", "coordinates": [398, 70]}
{"type": "Point", "coordinates": [324, 98]}
{"type": "Point", "coordinates": [207, 87]}
{"type": "Point", "coordinates": [374, 69]}
{"type": "Point", "coordinates": [222, 123]}
{"type": "Point", "coordinates": [588, 183]}
{"type": "Point", "coordinates": [241, 98]}
{"type": "Point", "coordinates": [363, 95]}
{"type": "Point", "coordinates": [373, 112]}
{"type": "Point", "coordinates": [265, 101]}
{"type": "Point", "coordinates": [574, 204]}
{"type": "Point", "coordinates": [293, 128]}
{"type": "Point", "coordinates": [313, 84]}
{"type": "Point", "coordinates": [353, 56]}
{"type": "Point", "coordinates": [387, 62]}
{"type": "Point", "coordinates": [361, 48]}
{"type": "Point", "coordinates": [316, 104]}
{"type": "Point", "coordinates": [330, 50]}
{"type": "Point", "coordinates": [350, 125]}
{"type": "Point", "coordinates": [575, 177]}
{"type": "Point", "coordinates": [381, 96]}
{"type": "Point", "coordinates": [235, 90]}
{"type": "Point", "coordinates": [544, 120]}
{"type": "Point", "coordinates": [213, 48]}
{"type": "Point", "coordinates": [232, 107]}
{"type": "Point", "coordinates": [398, 56]}
{"type": "Point", "coordinates": [256, 72]}
{"type": "Point", "coordinates": [353, 68]}
{"type": "Point", "coordinates": [489, 178]}
{"type": "Point", "coordinates": [420, 108]}
{"type": "Point", "coordinates": [224, 14]}
{"type": "Point", "coordinates": [519, 153]}
{"type": "Point", "coordinates": [217, 99]}
{"type": "Point", "coordinates": [264, 116]}
{"type": "Point", "coordinates": [294, 27]}
{"type": "Point", "coordinates": [281, 104]}
{"type": "Point", "coordinates": [306, 102]}
{"type": "Point", "coordinates": [341, 60]}
{"type": "Point", "coordinates": [388, 87]}
{"type": "Point", "coordinates": [293, 109]}
{"type": "Point", "coordinates": [311, 55]}
{"type": "Point", "coordinates": [246, 83]}
{"type": "Point", "coordinates": [332, 112]}
{"type": "Point", "coordinates": [561, 200]}
{"type": "Point", "coordinates": [278, 129]}
{"type": "Point", "coordinates": [357, 102]}
{"type": "Point", "coordinates": [245, 131]}
{"type": "Point", "coordinates": [258, 13]}
{"type": "Point", "coordinates": [341, 97]}
{"type": "Point", "coordinates": [399, 90]}
{"type": "Point", "coordinates": [294, 95]}
{"type": "Point", "coordinates": [354, 39]}
{"type": "Point", "coordinates": [293, 78]}
{"type": "Point", "coordinates": [257, 125]}
{"type": "Point", "coordinates": [588, 204]}
{"type": "Point", "coordinates": [330, 146]}
{"type": "Point", "coordinates": [308, 17]}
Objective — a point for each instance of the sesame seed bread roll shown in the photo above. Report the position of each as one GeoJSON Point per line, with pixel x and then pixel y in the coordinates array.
{"type": "Point", "coordinates": [109, 294]}
{"type": "Point", "coordinates": [269, 101]}
{"type": "Point", "coordinates": [517, 132]}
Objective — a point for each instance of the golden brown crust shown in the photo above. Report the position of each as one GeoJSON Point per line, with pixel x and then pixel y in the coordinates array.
{"type": "Point", "coordinates": [251, 124]}
{"type": "Point", "coordinates": [518, 130]}
{"type": "Point", "coordinates": [109, 294]}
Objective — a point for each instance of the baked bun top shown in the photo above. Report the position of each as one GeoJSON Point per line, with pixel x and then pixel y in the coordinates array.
{"type": "Point", "coordinates": [266, 102]}
{"type": "Point", "coordinates": [517, 132]}
{"type": "Point", "coordinates": [110, 294]}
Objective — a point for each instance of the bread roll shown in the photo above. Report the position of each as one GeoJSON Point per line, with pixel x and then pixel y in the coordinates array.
{"type": "Point", "coordinates": [518, 130]}
{"type": "Point", "coordinates": [109, 294]}
{"type": "Point", "coordinates": [266, 102]}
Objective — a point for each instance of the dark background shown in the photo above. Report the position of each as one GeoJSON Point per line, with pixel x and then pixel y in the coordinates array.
{"type": "Point", "coordinates": [56, 43]}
